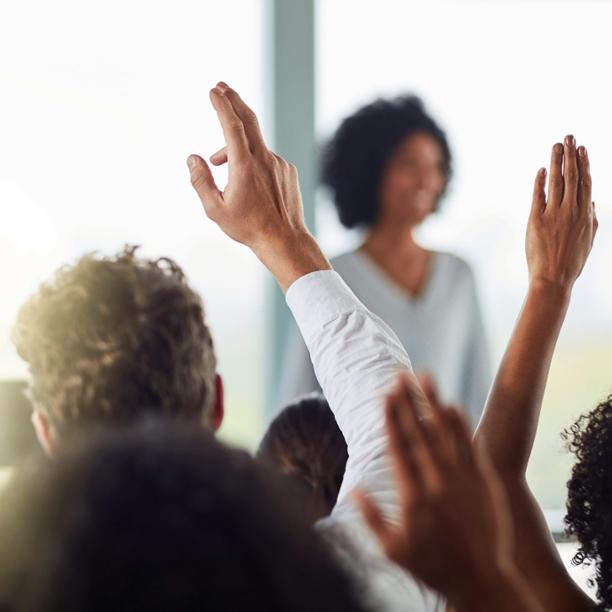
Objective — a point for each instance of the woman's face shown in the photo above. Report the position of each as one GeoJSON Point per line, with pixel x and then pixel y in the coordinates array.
{"type": "Point", "coordinates": [412, 181]}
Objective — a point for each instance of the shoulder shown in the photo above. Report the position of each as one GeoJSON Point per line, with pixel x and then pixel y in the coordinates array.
{"type": "Point", "coordinates": [348, 263]}
{"type": "Point", "coordinates": [455, 275]}
{"type": "Point", "coordinates": [455, 266]}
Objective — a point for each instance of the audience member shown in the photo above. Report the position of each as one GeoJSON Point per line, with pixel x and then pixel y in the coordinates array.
{"type": "Point", "coordinates": [305, 443]}
{"type": "Point", "coordinates": [589, 499]}
{"type": "Point", "coordinates": [159, 517]}
{"type": "Point", "coordinates": [111, 339]}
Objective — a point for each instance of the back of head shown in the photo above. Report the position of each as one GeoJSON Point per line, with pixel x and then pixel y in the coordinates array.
{"type": "Point", "coordinates": [112, 337]}
{"type": "Point", "coordinates": [589, 502]}
{"type": "Point", "coordinates": [158, 517]}
{"type": "Point", "coordinates": [305, 443]}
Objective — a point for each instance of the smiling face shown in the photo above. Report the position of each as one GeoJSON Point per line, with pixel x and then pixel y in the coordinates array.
{"type": "Point", "coordinates": [412, 181]}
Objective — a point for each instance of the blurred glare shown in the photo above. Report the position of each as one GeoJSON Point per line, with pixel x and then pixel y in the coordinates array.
{"type": "Point", "coordinates": [101, 104]}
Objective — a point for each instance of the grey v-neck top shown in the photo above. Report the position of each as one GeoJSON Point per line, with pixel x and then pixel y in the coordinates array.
{"type": "Point", "coordinates": [441, 329]}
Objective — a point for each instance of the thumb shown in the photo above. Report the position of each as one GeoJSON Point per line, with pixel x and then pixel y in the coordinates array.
{"type": "Point", "coordinates": [204, 183]}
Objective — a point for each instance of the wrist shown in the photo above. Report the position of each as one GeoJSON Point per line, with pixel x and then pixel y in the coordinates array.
{"type": "Point", "coordinates": [290, 255]}
{"type": "Point", "coordinates": [553, 292]}
{"type": "Point", "coordinates": [553, 288]}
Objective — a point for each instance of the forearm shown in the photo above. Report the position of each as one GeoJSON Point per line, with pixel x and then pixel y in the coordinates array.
{"type": "Point", "coordinates": [500, 590]}
{"type": "Point", "coordinates": [509, 423]}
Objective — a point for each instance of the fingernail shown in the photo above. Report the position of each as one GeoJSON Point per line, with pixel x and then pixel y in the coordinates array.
{"type": "Point", "coordinates": [582, 151]}
{"type": "Point", "coordinates": [223, 84]}
{"type": "Point", "coordinates": [558, 148]}
{"type": "Point", "coordinates": [216, 91]}
{"type": "Point", "coordinates": [192, 160]}
{"type": "Point", "coordinates": [570, 141]}
{"type": "Point", "coordinates": [542, 172]}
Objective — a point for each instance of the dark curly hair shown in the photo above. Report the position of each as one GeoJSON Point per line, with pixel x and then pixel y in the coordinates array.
{"type": "Point", "coordinates": [305, 443]}
{"type": "Point", "coordinates": [159, 517]}
{"type": "Point", "coordinates": [357, 154]}
{"type": "Point", "coordinates": [589, 502]}
{"type": "Point", "coordinates": [112, 338]}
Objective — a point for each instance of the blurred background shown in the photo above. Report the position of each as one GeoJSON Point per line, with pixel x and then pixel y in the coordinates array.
{"type": "Point", "coordinates": [102, 103]}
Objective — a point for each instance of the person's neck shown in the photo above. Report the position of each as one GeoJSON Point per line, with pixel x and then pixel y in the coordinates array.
{"type": "Point", "coordinates": [389, 241]}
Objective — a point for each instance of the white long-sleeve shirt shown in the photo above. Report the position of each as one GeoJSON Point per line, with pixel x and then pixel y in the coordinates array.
{"type": "Point", "coordinates": [357, 359]}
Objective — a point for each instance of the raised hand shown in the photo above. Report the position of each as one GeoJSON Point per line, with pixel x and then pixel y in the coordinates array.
{"type": "Point", "coordinates": [261, 206]}
{"type": "Point", "coordinates": [562, 223]}
{"type": "Point", "coordinates": [560, 232]}
{"type": "Point", "coordinates": [454, 532]}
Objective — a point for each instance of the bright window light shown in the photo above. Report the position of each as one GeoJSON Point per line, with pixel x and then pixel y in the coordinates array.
{"type": "Point", "coordinates": [101, 104]}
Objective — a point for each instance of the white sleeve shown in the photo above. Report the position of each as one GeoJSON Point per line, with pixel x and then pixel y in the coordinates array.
{"type": "Point", "coordinates": [356, 358]}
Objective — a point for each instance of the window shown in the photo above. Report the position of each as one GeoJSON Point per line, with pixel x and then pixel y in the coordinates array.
{"type": "Point", "coordinates": [101, 106]}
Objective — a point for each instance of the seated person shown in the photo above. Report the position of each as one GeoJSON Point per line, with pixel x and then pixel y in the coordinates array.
{"type": "Point", "coordinates": [112, 339]}
{"type": "Point", "coordinates": [305, 443]}
{"type": "Point", "coordinates": [159, 518]}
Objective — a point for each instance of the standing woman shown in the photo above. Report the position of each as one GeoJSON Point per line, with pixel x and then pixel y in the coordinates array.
{"type": "Point", "coordinates": [387, 167]}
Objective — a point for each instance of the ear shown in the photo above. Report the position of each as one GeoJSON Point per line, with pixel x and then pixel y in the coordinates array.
{"type": "Point", "coordinates": [44, 432]}
{"type": "Point", "coordinates": [218, 411]}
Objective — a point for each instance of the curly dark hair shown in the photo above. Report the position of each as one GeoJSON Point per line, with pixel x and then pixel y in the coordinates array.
{"type": "Point", "coordinates": [589, 502]}
{"type": "Point", "coordinates": [305, 443]}
{"type": "Point", "coordinates": [112, 338]}
{"type": "Point", "coordinates": [159, 517]}
{"type": "Point", "coordinates": [357, 154]}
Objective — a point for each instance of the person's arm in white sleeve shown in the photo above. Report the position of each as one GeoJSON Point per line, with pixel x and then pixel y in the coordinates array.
{"type": "Point", "coordinates": [356, 356]}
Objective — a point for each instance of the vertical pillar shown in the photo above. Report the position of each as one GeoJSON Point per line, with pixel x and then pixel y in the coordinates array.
{"type": "Point", "coordinates": [290, 99]}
